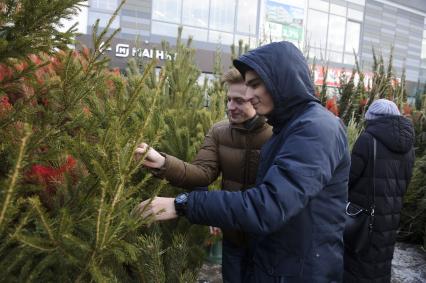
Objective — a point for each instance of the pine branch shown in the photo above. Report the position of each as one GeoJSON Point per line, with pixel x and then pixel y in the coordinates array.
{"type": "Point", "coordinates": [13, 179]}
{"type": "Point", "coordinates": [35, 203]}
{"type": "Point", "coordinates": [104, 184]}
{"type": "Point", "coordinates": [35, 243]}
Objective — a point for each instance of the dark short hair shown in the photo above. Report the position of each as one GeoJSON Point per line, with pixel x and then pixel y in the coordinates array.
{"type": "Point", "coordinates": [232, 76]}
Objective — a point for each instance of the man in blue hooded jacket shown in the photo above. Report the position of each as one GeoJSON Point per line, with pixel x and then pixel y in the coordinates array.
{"type": "Point", "coordinates": [295, 214]}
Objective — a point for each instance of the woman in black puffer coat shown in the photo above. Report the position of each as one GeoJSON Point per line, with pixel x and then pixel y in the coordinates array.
{"type": "Point", "coordinates": [394, 163]}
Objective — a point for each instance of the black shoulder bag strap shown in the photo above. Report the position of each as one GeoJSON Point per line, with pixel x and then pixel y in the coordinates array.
{"type": "Point", "coordinates": [373, 178]}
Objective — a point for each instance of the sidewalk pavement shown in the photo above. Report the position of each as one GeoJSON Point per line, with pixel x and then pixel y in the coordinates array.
{"type": "Point", "coordinates": [408, 266]}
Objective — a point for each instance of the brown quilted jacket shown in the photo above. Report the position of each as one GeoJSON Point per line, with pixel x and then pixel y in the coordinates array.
{"type": "Point", "coordinates": [232, 150]}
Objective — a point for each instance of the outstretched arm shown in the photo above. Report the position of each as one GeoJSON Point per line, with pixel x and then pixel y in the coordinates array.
{"type": "Point", "coordinates": [204, 169]}
{"type": "Point", "coordinates": [303, 166]}
{"type": "Point", "coordinates": [301, 170]}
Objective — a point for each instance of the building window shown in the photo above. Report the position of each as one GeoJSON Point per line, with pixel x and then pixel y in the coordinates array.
{"type": "Point", "coordinates": [353, 30]}
{"type": "Point", "coordinates": [349, 59]}
{"type": "Point", "coordinates": [336, 33]}
{"type": "Point", "coordinates": [165, 10]}
{"type": "Point", "coordinates": [316, 29]}
{"type": "Point", "coordinates": [247, 16]}
{"type": "Point", "coordinates": [221, 37]}
{"type": "Point", "coordinates": [206, 20]}
{"type": "Point", "coordinates": [338, 10]}
{"type": "Point", "coordinates": [355, 15]}
{"type": "Point", "coordinates": [103, 20]}
{"type": "Point", "coordinates": [222, 15]}
{"type": "Point", "coordinates": [164, 29]}
{"type": "Point", "coordinates": [333, 36]}
{"type": "Point", "coordinates": [195, 13]}
{"type": "Point", "coordinates": [334, 56]}
{"type": "Point", "coordinates": [317, 53]}
{"type": "Point", "coordinates": [104, 4]}
{"type": "Point", "coordinates": [196, 33]}
{"type": "Point", "coordinates": [358, 2]}
{"type": "Point", "coordinates": [423, 52]}
{"type": "Point", "coordinates": [321, 5]}
{"type": "Point", "coordinates": [250, 41]}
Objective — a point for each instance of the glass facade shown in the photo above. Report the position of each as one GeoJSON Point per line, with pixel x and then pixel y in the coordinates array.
{"type": "Point", "coordinates": [195, 14]}
{"type": "Point", "coordinates": [216, 21]}
{"type": "Point", "coordinates": [110, 5]}
{"type": "Point", "coordinates": [317, 23]}
{"type": "Point", "coordinates": [102, 10]}
{"type": "Point", "coordinates": [247, 17]}
{"type": "Point", "coordinates": [422, 77]}
{"type": "Point", "coordinates": [165, 10]}
{"type": "Point", "coordinates": [343, 26]}
{"type": "Point", "coordinates": [330, 30]}
{"type": "Point", "coordinates": [423, 54]}
{"type": "Point", "coordinates": [221, 17]}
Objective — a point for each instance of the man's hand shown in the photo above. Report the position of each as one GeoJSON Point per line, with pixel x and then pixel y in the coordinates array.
{"type": "Point", "coordinates": [153, 159]}
{"type": "Point", "coordinates": [160, 208]}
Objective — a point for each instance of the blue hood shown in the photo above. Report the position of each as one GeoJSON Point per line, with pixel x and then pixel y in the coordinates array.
{"type": "Point", "coordinates": [285, 73]}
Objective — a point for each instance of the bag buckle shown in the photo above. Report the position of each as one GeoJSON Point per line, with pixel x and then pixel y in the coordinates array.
{"type": "Point", "coordinates": [353, 214]}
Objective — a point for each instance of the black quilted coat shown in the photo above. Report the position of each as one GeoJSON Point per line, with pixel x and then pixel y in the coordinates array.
{"type": "Point", "coordinates": [394, 164]}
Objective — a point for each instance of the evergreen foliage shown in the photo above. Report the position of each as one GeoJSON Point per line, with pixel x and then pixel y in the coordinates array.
{"type": "Point", "coordinates": [28, 26]}
{"type": "Point", "coordinates": [413, 218]}
{"type": "Point", "coordinates": [66, 215]}
{"type": "Point", "coordinates": [68, 179]}
{"type": "Point", "coordinates": [69, 127]}
{"type": "Point", "coordinates": [322, 90]}
{"type": "Point", "coordinates": [189, 110]}
{"type": "Point", "coordinates": [237, 51]}
{"type": "Point", "coordinates": [189, 107]}
{"type": "Point", "coordinates": [353, 130]}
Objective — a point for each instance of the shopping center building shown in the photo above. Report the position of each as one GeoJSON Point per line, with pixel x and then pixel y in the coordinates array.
{"type": "Point", "coordinates": [330, 30]}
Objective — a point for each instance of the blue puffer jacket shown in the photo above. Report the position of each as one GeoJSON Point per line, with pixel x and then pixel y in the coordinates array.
{"type": "Point", "coordinates": [295, 213]}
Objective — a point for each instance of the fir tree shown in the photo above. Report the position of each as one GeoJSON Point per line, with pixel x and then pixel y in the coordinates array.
{"type": "Point", "coordinates": [189, 110]}
{"type": "Point", "coordinates": [189, 107]}
{"type": "Point", "coordinates": [237, 51]}
{"type": "Point", "coordinates": [413, 218]}
{"type": "Point", "coordinates": [31, 26]}
{"type": "Point", "coordinates": [68, 181]}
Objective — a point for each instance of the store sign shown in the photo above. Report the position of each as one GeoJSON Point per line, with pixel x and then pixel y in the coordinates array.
{"type": "Point", "coordinates": [292, 33]}
{"type": "Point", "coordinates": [334, 75]}
{"type": "Point", "coordinates": [284, 21]}
{"type": "Point", "coordinates": [124, 50]}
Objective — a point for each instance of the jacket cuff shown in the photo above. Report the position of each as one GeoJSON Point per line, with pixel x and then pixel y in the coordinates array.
{"type": "Point", "coordinates": [160, 172]}
{"type": "Point", "coordinates": [172, 170]}
{"type": "Point", "coordinates": [190, 207]}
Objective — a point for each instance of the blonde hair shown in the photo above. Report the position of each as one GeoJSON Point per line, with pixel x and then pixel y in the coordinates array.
{"type": "Point", "coordinates": [232, 76]}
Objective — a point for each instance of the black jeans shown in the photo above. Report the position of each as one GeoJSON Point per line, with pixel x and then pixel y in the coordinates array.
{"type": "Point", "coordinates": [234, 262]}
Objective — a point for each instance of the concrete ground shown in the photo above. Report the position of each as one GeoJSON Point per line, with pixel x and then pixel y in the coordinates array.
{"type": "Point", "coordinates": [408, 266]}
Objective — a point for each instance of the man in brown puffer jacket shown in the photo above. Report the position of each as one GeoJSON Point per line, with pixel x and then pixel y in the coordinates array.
{"type": "Point", "coordinates": [230, 148]}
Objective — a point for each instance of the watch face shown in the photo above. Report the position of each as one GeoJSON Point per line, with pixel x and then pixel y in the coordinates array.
{"type": "Point", "coordinates": [180, 204]}
{"type": "Point", "coordinates": [181, 198]}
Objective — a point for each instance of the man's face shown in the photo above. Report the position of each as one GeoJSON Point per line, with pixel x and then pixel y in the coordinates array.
{"type": "Point", "coordinates": [257, 94]}
{"type": "Point", "coordinates": [239, 108]}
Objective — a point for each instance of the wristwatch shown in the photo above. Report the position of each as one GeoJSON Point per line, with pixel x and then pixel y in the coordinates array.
{"type": "Point", "coordinates": [181, 204]}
